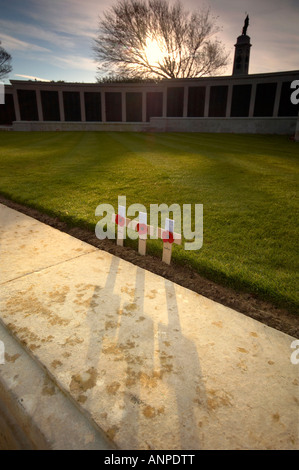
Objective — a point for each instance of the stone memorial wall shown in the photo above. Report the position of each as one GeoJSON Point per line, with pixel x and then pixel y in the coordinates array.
{"type": "Point", "coordinates": [209, 104]}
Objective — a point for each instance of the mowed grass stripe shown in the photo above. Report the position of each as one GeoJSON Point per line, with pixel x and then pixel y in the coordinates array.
{"type": "Point", "coordinates": [247, 184]}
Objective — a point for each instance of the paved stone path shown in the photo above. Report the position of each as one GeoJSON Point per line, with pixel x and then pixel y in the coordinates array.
{"type": "Point", "coordinates": [150, 363]}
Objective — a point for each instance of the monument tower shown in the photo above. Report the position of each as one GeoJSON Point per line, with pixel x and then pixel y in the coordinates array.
{"type": "Point", "coordinates": [242, 51]}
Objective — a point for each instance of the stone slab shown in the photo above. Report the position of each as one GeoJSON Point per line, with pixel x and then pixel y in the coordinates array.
{"type": "Point", "coordinates": [47, 126]}
{"type": "Point", "coordinates": [34, 413]}
{"type": "Point", "coordinates": [252, 125]}
{"type": "Point", "coordinates": [27, 245]}
{"type": "Point", "coordinates": [240, 125]}
{"type": "Point", "coordinates": [152, 364]}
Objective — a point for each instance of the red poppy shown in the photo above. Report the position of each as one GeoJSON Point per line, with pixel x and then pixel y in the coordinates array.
{"type": "Point", "coordinates": [167, 237]}
{"type": "Point", "coordinates": [119, 220]}
{"type": "Point", "coordinates": [141, 229]}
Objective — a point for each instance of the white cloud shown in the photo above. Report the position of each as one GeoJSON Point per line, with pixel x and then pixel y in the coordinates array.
{"type": "Point", "coordinates": [30, 77]}
{"type": "Point", "coordinates": [11, 43]}
{"type": "Point", "coordinates": [74, 62]}
{"type": "Point", "coordinates": [70, 16]}
{"type": "Point", "coordinates": [68, 62]}
{"type": "Point", "coordinates": [36, 32]}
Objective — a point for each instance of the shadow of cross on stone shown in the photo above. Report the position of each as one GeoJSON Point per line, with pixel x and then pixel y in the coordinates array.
{"type": "Point", "coordinates": [161, 364]}
{"type": "Point", "coordinates": [143, 380]}
{"type": "Point", "coordinates": [179, 355]}
{"type": "Point", "coordinates": [119, 355]}
{"type": "Point", "coordinates": [98, 320]}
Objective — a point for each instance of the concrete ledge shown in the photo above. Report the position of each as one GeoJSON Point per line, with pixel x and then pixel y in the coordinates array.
{"type": "Point", "coordinates": [263, 125]}
{"type": "Point", "coordinates": [27, 126]}
{"type": "Point", "coordinates": [34, 413]}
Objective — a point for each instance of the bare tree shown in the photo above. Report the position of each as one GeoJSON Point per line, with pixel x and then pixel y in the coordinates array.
{"type": "Point", "coordinates": [153, 39]}
{"type": "Point", "coordinates": [5, 62]}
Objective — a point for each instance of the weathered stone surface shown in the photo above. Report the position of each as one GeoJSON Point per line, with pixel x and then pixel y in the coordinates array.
{"type": "Point", "coordinates": [34, 412]}
{"type": "Point", "coordinates": [27, 245]}
{"type": "Point", "coordinates": [153, 364]}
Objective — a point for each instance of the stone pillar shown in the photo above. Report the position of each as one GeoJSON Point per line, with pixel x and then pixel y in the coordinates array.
{"type": "Point", "coordinates": [82, 106]}
{"type": "Point", "coordinates": [103, 106]}
{"type": "Point", "coordinates": [252, 100]}
{"type": "Point", "coordinates": [123, 106]}
{"type": "Point", "coordinates": [229, 101]}
{"type": "Point", "coordinates": [207, 101]}
{"type": "Point", "coordinates": [61, 106]}
{"type": "Point", "coordinates": [185, 106]}
{"type": "Point", "coordinates": [242, 55]}
{"type": "Point", "coordinates": [164, 102]}
{"type": "Point", "coordinates": [144, 106]}
{"type": "Point", "coordinates": [277, 99]}
{"type": "Point", "coordinates": [16, 105]}
{"type": "Point", "coordinates": [39, 105]}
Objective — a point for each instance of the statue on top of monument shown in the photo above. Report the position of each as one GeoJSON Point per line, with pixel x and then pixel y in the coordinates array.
{"type": "Point", "coordinates": [246, 23]}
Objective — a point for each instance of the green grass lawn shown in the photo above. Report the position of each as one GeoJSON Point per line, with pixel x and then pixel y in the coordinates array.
{"type": "Point", "coordinates": [246, 183]}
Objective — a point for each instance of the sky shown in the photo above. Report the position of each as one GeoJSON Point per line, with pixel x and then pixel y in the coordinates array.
{"type": "Point", "coordinates": [52, 39]}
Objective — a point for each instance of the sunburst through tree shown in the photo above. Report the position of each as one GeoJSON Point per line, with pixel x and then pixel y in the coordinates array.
{"type": "Point", "coordinates": [154, 39]}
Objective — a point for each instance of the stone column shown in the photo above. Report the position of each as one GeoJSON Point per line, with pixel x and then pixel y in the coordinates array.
{"type": "Point", "coordinates": [277, 99]}
{"type": "Point", "coordinates": [164, 114]}
{"type": "Point", "coordinates": [242, 55]}
{"type": "Point", "coordinates": [185, 106]}
{"type": "Point", "coordinates": [252, 100]}
{"type": "Point", "coordinates": [61, 106]}
{"type": "Point", "coordinates": [103, 106]}
{"type": "Point", "coordinates": [16, 105]}
{"type": "Point", "coordinates": [123, 106]}
{"type": "Point", "coordinates": [229, 101]}
{"type": "Point", "coordinates": [144, 106]}
{"type": "Point", "coordinates": [39, 105]}
{"type": "Point", "coordinates": [82, 106]}
{"type": "Point", "coordinates": [207, 101]}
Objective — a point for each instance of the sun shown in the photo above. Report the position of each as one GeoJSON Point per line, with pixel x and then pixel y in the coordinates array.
{"type": "Point", "coordinates": [154, 52]}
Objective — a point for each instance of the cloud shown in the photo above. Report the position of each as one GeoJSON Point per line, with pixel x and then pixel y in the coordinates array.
{"type": "Point", "coordinates": [32, 78]}
{"type": "Point", "coordinates": [11, 43]}
{"type": "Point", "coordinates": [74, 62]}
{"type": "Point", "coordinates": [72, 17]}
{"type": "Point", "coordinates": [36, 32]}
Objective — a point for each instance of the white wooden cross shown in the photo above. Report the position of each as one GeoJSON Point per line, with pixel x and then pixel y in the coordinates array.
{"type": "Point", "coordinates": [167, 235]}
{"type": "Point", "coordinates": [120, 220]}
